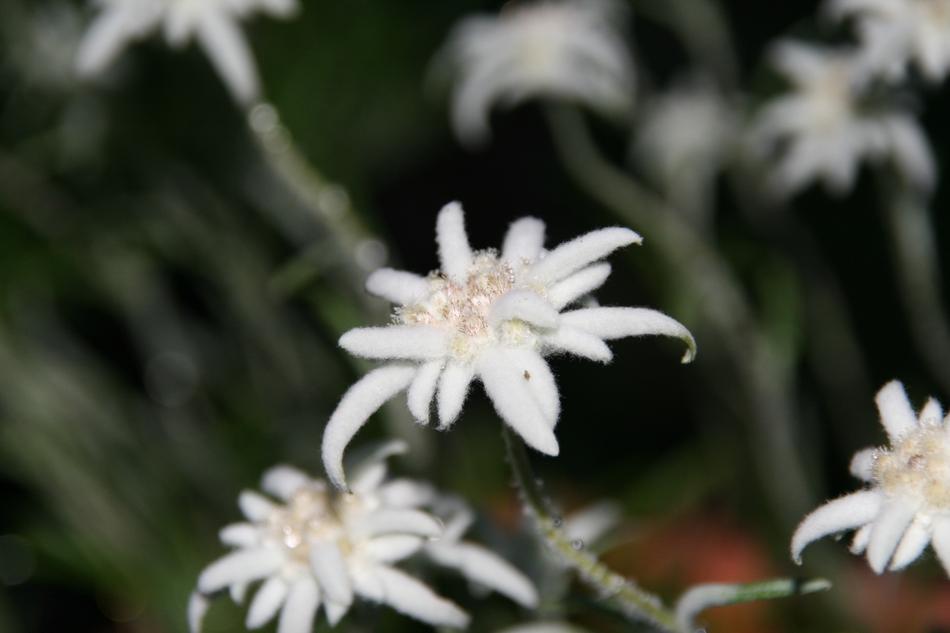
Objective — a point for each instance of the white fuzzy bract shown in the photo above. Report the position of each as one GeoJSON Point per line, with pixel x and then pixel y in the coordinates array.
{"type": "Point", "coordinates": [822, 130]}
{"type": "Point", "coordinates": [213, 23]}
{"type": "Point", "coordinates": [564, 49]}
{"type": "Point", "coordinates": [489, 316]}
{"type": "Point", "coordinates": [907, 503]}
{"type": "Point", "coordinates": [897, 33]}
{"type": "Point", "coordinates": [311, 546]}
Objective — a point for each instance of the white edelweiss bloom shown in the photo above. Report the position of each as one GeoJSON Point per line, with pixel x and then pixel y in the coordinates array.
{"type": "Point", "coordinates": [896, 33]}
{"type": "Point", "coordinates": [489, 316]}
{"type": "Point", "coordinates": [311, 545]}
{"type": "Point", "coordinates": [820, 131]}
{"type": "Point", "coordinates": [565, 49]}
{"type": "Point", "coordinates": [907, 502]}
{"type": "Point", "coordinates": [213, 23]}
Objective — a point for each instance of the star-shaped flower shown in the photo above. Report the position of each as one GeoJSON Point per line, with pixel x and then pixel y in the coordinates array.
{"type": "Point", "coordinates": [490, 316]}
{"type": "Point", "coordinates": [213, 23]}
{"type": "Point", "coordinates": [564, 49]}
{"type": "Point", "coordinates": [907, 503]}
{"type": "Point", "coordinates": [315, 546]}
{"type": "Point", "coordinates": [895, 33]}
{"type": "Point", "coordinates": [823, 130]}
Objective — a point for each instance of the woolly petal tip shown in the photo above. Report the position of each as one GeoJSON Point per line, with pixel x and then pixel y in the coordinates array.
{"type": "Point", "coordinates": [197, 608]}
{"type": "Point", "coordinates": [455, 254]}
{"type": "Point", "coordinates": [897, 414]}
{"type": "Point", "coordinates": [844, 513]}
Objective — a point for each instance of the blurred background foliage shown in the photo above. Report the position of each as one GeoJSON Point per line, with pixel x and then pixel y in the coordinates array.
{"type": "Point", "coordinates": [169, 310]}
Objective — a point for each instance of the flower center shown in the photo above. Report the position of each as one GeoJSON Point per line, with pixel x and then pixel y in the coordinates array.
{"type": "Point", "coordinates": [310, 515]}
{"type": "Point", "coordinates": [462, 307]}
{"type": "Point", "coordinates": [918, 465]}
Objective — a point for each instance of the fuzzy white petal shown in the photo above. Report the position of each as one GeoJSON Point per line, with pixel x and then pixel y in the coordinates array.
{"type": "Point", "coordinates": [897, 415]}
{"type": "Point", "coordinates": [255, 506]}
{"type": "Point", "coordinates": [611, 323]}
{"type": "Point", "coordinates": [887, 531]}
{"type": "Point", "coordinates": [300, 608]}
{"type": "Point", "coordinates": [524, 241]}
{"type": "Point", "coordinates": [591, 523]}
{"type": "Point", "coordinates": [410, 597]}
{"type": "Point", "coordinates": [359, 402]}
{"type": "Point", "coordinates": [514, 402]}
{"type": "Point", "coordinates": [912, 544]}
{"type": "Point", "coordinates": [458, 523]}
{"type": "Point", "coordinates": [413, 342]}
{"type": "Point", "coordinates": [843, 513]}
{"type": "Point", "coordinates": [455, 255]}
{"type": "Point", "coordinates": [535, 374]}
{"type": "Point", "coordinates": [862, 464]}
{"type": "Point", "coordinates": [405, 493]}
{"type": "Point", "coordinates": [581, 251]}
{"type": "Point", "coordinates": [403, 521]}
{"type": "Point", "coordinates": [397, 286]}
{"type": "Point", "coordinates": [106, 37]}
{"type": "Point", "coordinates": [392, 548]}
{"type": "Point", "coordinates": [453, 389]}
{"type": "Point", "coordinates": [239, 535]}
{"type": "Point", "coordinates": [422, 390]}
{"type": "Point", "coordinates": [486, 568]}
{"type": "Point", "coordinates": [329, 568]}
{"type": "Point", "coordinates": [941, 542]}
{"type": "Point", "coordinates": [580, 343]}
{"type": "Point", "coordinates": [283, 481]}
{"type": "Point", "coordinates": [239, 567]}
{"type": "Point", "coordinates": [268, 599]}
{"type": "Point", "coordinates": [524, 305]}
{"type": "Point", "coordinates": [335, 612]}
{"type": "Point", "coordinates": [572, 288]}
{"type": "Point", "coordinates": [860, 541]}
{"type": "Point", "coordinates": [238, 592]}
{"type": "Point", "coordinates": [229, 53]}
{"type": "Point", "coordinates": [197, 608]}
{"type": "Point", "coordinates": [931, 413]}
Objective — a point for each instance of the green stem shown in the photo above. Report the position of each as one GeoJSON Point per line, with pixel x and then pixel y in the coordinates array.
{"type": "Point", "coordinates": [615, 591]}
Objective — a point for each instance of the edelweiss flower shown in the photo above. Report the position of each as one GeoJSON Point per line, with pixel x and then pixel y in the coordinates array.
{"type": "Point", "coordinates": [212, 22]}
{"type": "Point", "coordinates": [907, 504]}
{"type": "Point", "coordinates": [566, 49]}
{"type": "Point", "coordinates": [492, 316]}
{"type": "Point", "coordinates": [316, 546]}
{"type": "Point", "coordinates": [895, 33]}
{"type": "Point", "coordinates": [821, 131]}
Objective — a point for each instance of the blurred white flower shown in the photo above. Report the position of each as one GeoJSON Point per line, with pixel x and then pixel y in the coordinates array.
{"type": "Point", "coordinates": [565, 49]}
{"type": "Point", "coordinates": [493, 317]}
{"type": "Point", "coordinates": [213, 23]}
{"type": "Point", "coordinates": [907, 503]}
{"type": "Point", "coordinates": [682, 141]}
{"type": "Point", "coordinates": [895, 33]}
{"type": "Point", "coordinates": [820, 131]}
{"type": "Point", "coordinates": [314, 546]}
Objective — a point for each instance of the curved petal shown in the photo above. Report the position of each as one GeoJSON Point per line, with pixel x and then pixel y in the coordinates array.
{"type": "Point", "coordinates": [397, 286]}
{"type": "Point", "coordinates": [369, 466]}
{"type": "Point", "coordinates": [239, 567]}
{"type": "Point", "coordinates": [887, 531]}
{"type": "Point", "coordinates": [611, 323]}
{"type": "Point", "coordinates": [486, 568]}
{"type": "Point", "coordinates": [580, 343]}
{"type": "Point", "coordinates": [591, 523]}
{"type": "Point", "coordinates": [255, 506]}
{"type": "Point", "coordinates": [931, 413]}
{"type": "Point", "coordinates": [581, 251]}
{"type": "Point", "coordinates": [335, 612]}
{"type": "Point", "coordinates": [525, 305]}
{"type": "Point", "coordinates": [422, 390]}
{"type": "Point", "coordinates": [405, 493]}
{"type": "Point", "coordinates": [267, 601]}
{"type": "Point", "coordinates": [392, 548]}
{"type": "Point", "coordinates": [403, 521]}
{"type": "Point", "coordinates": [358, 403]}
{"type": "Point", "coordinates": [862, 464]}
{"type": "Point", "coordinates": [411, 342]}
{"type": "Point", "coordinates": [912, 544]}
{"type": "Point", "coordinates": [844, 513]}
{"type": "Point", "coordinates": [225, 45]}
{"type": "Point", "coordinates": [860, 541]}
{"type": "Point", "coordinates": [514, 402]}
{"type": "Point", "coordinates": [583, 282]}
{"type": "Point", "coordinates": [407, 595]}
{"type": "Point", "coordinates": [329, 568]}
{"type": "Point", "coordinates": [301, 606]}
{"type": "Point", "coordinates": [523, 241]}
{"type": "Point", "coordinates": [197, 608]}
{"type": "Point", "coordinates": [535, 374]}
{"type": "Point", "coordinates": [239, 535]}
{"type": "Point", "coordinates": [455, 254]}
{"type": "Point", "coordinates": [897, 415]}
{"type": "Point", "coordinates": [283, 481]}
{"type": "Point", "coordinates": [941, 542]}
{"type": "Point", "coordinates": [108, 34]}
{"type": "Point", "coordinates": [453, 389]}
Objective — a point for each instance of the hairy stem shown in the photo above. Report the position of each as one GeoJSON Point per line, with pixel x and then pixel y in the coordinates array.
{"type": "Point", "coordinates": [615, 591]}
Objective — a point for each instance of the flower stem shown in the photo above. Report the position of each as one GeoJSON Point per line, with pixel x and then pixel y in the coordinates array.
{"type": "Point", "coordinates": [615, 591]}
